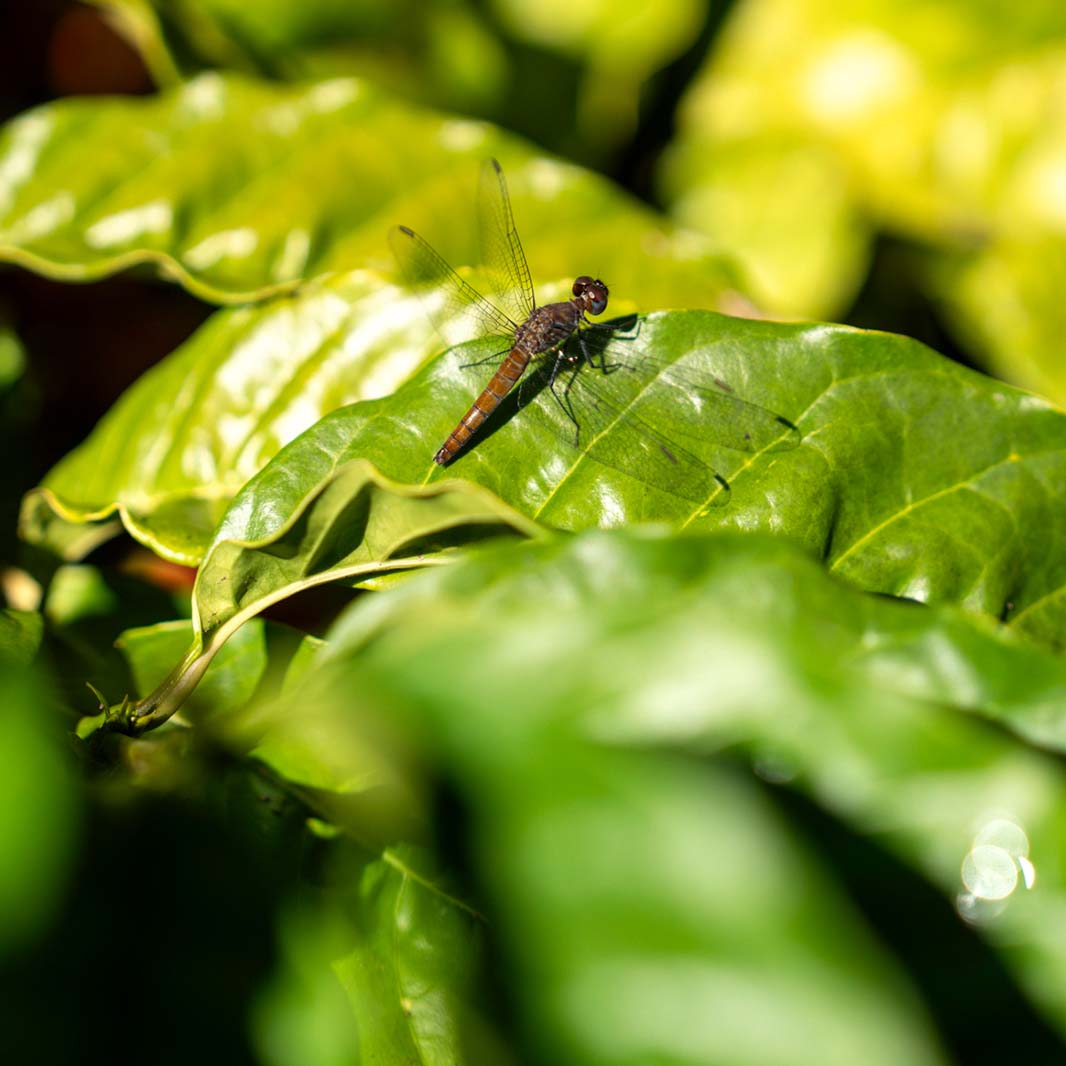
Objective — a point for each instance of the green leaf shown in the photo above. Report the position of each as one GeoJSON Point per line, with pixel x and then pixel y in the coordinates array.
{"type": "Point", "coordinates": [12, 359]}
{"type": "Point", "coordinates": [783, 208]}
{"type": "Point", "coordinates": [653, 911]}
{"type": "Point", "coordinates": [380, 967]}
{"type": "Point", "coordinates": [438, 52]}
{"type": "Point", "coordinates": [238, 189]}
{"type": "Point", "coordinates": [39, 811]}
{"type": "Point", "coordinates": [177, 446]}
{"type": "Point", "coordinates": [914, 476]}
{"type": "Point", "coordinates": [610, 858]}
{"type": "Point", "coordinates": [812, 126]}
{"type": "Point", "coordinates": [416, 952]}
{"type": "Point", "coordinates": [171, 454]}
{"type": "Point", "coordinates": [305, 520]}
{"type": "Point", "coordinates": [1004, 302]}
{"type": "Point", "coordinates": [229, 682]}
{"type": "Point", "coordinates": [20, 636]}
{"type": "Point", "coordinates": [303, 1017]}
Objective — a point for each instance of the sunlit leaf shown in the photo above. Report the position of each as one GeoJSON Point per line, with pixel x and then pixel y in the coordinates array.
{"type": "Point", "coordinates": [912, 476]}
{"type": "Point", "coordinates": [238, 189]}
{"type": "Point", "coordinates": [814, 125]}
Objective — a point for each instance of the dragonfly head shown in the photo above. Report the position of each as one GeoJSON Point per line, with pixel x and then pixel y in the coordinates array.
{"type": "Point", "coordinates": [590, 294]}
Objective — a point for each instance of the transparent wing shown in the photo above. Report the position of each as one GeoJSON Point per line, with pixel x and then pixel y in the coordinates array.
{"type": "Point", "coordinates": [700, 409]}
{"type": "Point", "coordinates": [458, 311]}
{"type": "Point", "coordinates": [648, 418]}
{"type": "Point", "coordinates": [506, 269]}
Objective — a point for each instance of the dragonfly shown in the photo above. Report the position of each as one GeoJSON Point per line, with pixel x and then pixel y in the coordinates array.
{"type": "Point", "coordinates": [608, 399]}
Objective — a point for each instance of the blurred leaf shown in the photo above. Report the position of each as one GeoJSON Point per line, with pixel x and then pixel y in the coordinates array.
{"type": "Point", "coordinates": [20, 636]}
{"type": "Point", "coordinates": [77, 594]}
{"type": "Point", "coordinates": [620, 44]}
{"type": "Point", "coordinates": [447, 53]}
{"type": "Point", "coordinates": [38, 811]}
{"type": "Point", "coordinates": [12, 358]}
{"type": "Point", "coordinates": [414, 955]}
{"type": "Point", "coordinates": [378, 967]}
{"type": "Point", "coordinates": [783, 212]}
{"type": "Point", "coordinates": [1005, 301]}
{"type": "Point", "coordinates": [138, 22]}
{"type": "Point", "coordinates": [613, 866]}
{"type": "Point", "coordinates": [303, 1017]}
{"type": "Point", "coordinates": [814, 123]}
{"type": "Point", "coordinates": [610, 862]}
{"type": "Point", "coordinates": [655, 911]}
{"type": "Point", "coordinates": [439, 52]}
{"type": "Point", "coordinates": [305, 520]}
{"type": "Point", "coordinates": [238, 189]}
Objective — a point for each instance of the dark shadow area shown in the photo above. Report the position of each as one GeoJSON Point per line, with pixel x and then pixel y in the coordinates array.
{"type": "Point", "coordinates": [895, 297]}
{"type": "Point", "coordinates": [167, 933]}
{"type": "Point", "coordinates": [636, 166]}
{"type": "Point", "coordinates": [53, 48]}
{"type": "Point", "coordinates": [84, 346]}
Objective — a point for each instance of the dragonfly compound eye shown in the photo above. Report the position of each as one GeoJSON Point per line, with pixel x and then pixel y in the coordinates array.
{"type": "Point", "coordinates": [592, 292]}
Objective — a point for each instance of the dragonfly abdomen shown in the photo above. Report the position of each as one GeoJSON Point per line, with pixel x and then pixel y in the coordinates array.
{"type": "Point", "coordinates": [512, 368]}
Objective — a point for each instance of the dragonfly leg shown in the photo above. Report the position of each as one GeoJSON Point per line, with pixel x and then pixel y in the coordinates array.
{"type": "Point", "coordinates": [597, 360]}
{"type": "Point", "coordinates": [564, 399]}
{"type": "Point", "coordinates": [628, 331]}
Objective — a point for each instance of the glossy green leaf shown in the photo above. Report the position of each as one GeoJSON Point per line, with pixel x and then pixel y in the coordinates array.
{"type": "Point", "coordinates": [913, 477]}
{"type": "Point", "coordinates": [602, 851]}
{"type": "Point", "coordinates": [306, 520]}
{"type": "Point", "coordinates": [174, 450]}
{"type": "Point", "coordinates": [170, 455]}
{"type": "Point", "coordinates": [238, 189]}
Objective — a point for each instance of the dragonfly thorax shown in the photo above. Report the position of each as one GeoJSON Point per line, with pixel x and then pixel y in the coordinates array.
{"type": "Point", "coordinates": [548, 327]}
